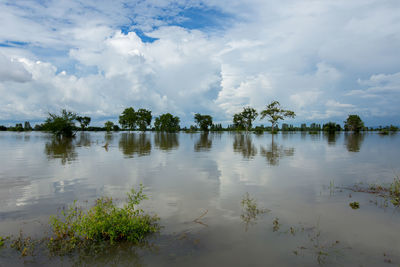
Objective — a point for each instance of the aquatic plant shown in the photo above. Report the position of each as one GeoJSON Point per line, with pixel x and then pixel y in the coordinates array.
{"type": "Point", "coordinates": [354, 205]}
{"type": "Point", "coordinates": [250, 210]}
{"type": "Point", "coordinates": [387, 191]}
{"type": "Point", "coordinates": [104, 222]}
{"type": "Point", "coordinates": [276, 224]}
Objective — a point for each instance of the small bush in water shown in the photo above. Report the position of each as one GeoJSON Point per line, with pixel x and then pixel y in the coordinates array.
{"type": "Point", "coordinates": [77, 228]}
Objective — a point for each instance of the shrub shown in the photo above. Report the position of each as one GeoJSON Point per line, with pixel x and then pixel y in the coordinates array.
{"type": "Point", "coordinates": [104, 222]}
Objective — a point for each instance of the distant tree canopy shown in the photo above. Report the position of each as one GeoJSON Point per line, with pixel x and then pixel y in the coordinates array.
{"type": "Point", "coordinates": [204, 121]}
{"type": "Point", "coordinates": [274, 112]}
{"type": "Point", "coordinates": [167, 123]}
{"type": "Point", "coordinates": [353, 123]}
{"type": "Point", "coordinates": [83, 121]}
{"type": "Point", "coordinates": [244, 119]}
{"type": "Point", "coordinates": [108, 125]}
{"type": "Point", "coordinates": [128, 119]}
{"type": "Point", "coordinates": [143, 117]}
{"type": "Point", "coordinates": [331, 127]}
{"type": "Point", "coordinates": [61, 125]}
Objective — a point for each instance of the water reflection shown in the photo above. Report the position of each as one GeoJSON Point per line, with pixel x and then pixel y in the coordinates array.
{"type": "Point", "coordinates": [204, 143]}
{"type": "Point", "coordinates": [61, 148]}
{"type": "Point", "coordinates": [166, 141]}
{"type": "Point", "coordinates": [274, 152]}
{"type": "Point", "coordinates": [83, 140]}
{"type": "Point", "coordinates": [133, 143]}
{"type": "Point", "coordinates": [331, 138]}
{"type": "Point", "coordinates": [243, 144]}
{"type": "Point", "coordinates": [354, 141]}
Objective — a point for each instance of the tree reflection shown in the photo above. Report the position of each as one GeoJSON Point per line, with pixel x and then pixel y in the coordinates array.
{"type": "Point", "coordinates": [354, 141]}
{"type": "Point", "coordinates": [331, 138]}
{"type": "Point", "coordinates": [274, 152]}
{"type": "Point", "coordinates": [83, 140]}
{"type": "Point", "coordinates": [61, 148]}
{"type": "Point", "coordinates": [204, 143]}
{"type": "Point", "coordinates": [243, 144]}
{"type": "Point", "coordinates": [166, 141]}
{"type": "Point", "coordinates": [133, 143]}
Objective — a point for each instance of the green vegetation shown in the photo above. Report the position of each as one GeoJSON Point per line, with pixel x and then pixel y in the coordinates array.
{"type": "Point", "coordinates": [108, 125]}
{"type": "Point", "coordinates": [387, 191]}
{"type": "Point", "coordinates": [167, 123]}
{"type": "Point", "coordinates": [99, 227]}
{"type": "Point", "coordinates": [104, 222]}
{"type": "Point", "coordinates": [331, 127]}
{"type": "Point", "coordinates": [61, 125]}
{"type": "Point", "coordinates": [250, 210]}
{"type": "Point", "coordinates": [143, 117]}
{"type": "Point", "coordinates": [128, 119]}
{"type": "Point", "coordinates": [204, 121]}
{"type": "Point", "coordinates": [83, 121]}
{"type": "Point", "coordinates": [244, 119]}
{"type": "Point", "coordinates": [354, 205]}
{"type": "Point", "coordinates": [354, 123]}
{"type": "Point", "coordinates": [275, 113]}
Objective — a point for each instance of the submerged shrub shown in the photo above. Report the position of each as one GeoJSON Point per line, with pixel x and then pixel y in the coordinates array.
{"type": "Point", "coordinates": [104, 222]}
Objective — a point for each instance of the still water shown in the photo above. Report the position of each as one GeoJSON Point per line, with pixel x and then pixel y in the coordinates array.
{"type": "Point", "coordinates": [196, 184]}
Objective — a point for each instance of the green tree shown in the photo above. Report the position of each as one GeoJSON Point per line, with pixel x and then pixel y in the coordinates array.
{"type": "Point", "coordinates": [27, 126]}
{"type": "Point", "coordinates": [167, 123]}
{"type": "Point", "coordinates": [128, 119]}
{"type": "Point", "coordinates": [274, 112]}
{"type": "Point", "coordinates": [331, 127]}
{"type": "Point", "coordinates": [61, 125]}
{"type": "Point", "coordinates": [143, 118]}
{"type": "Point", "coordinates": [354, 123]}
{"type": "Point", "coordinates": [83, 121]}
{"type": "Point", "coordinates": [108, 125]}
{"type": "Point", "coordinates": [204, 121]}
{"type": "Point", "coordinates": [244, 119]}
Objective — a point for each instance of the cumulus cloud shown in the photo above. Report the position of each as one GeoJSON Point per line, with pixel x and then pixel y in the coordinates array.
{"type": "Point", "coordinates": [314, 57]}
{"type": "Point", "coordinates": [13, 70]}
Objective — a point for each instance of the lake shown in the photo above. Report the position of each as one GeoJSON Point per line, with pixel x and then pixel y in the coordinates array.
{"type": "Point", "coordinates": [224, 199]}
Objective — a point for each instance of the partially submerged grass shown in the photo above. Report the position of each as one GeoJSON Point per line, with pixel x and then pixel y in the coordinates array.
{"type": "Point", "coordinates": [387, 191]}
{"type": "Point", "coordinates": [98, 228]}
{"type": "Point", "coordinates": [250, 210]}
{"type": "Point", "coordinates": [104, 222]}
{"type": "Point", "coordinates": [354, 205]}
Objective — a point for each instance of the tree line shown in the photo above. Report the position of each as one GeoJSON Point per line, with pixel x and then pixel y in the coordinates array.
{"type": "Point", "coordinates": [63, 124]}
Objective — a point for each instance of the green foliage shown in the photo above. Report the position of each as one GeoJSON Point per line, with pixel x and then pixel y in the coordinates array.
{"type": "Point", "coordinates": [167, 123]}
{"type": "Point", "coordinates": [108, 125]}
{"type": "Point", "coordinates": [353, 123]}
{"type": "Point", "coordinates": [61, 125]}
{"type": "Point", "coordinates": [104, 222]}
{"type": "Point", "coordinates": [128, 119]}
{"type": "Point", "coordinates": [394, 191]}
{"type": "Point", "coordinates": [204, 121]}
{"type": "Point", "coordinates": [143, 118]}
{"type": "Point", "coordinates": [83, 121]}
{"type": "Point", "coordinates": [250, 210]}
{"type": "Point", "coordinates": [244, 119]}
{"type": "Point", "coordinates": [331, 127]}
{"type": "Point", "coordinates": [354, 205]}
{"type": "Point", "coordinates": [27, 126]}
{"type": "Point", "coordinates": [275, 113]}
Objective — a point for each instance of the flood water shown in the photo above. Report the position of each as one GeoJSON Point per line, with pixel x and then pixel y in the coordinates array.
{"type": "Point", "coordinates": [196, 184]}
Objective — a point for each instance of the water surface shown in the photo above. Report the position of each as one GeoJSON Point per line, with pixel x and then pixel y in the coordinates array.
{"type": "Point", "coordinates": [196, 182]}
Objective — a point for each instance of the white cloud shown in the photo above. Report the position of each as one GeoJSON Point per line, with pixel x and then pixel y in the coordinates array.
{"type": "Point", "coordinates": [304, 54]}
{"type": "Point", "coordinates": [13, 70]}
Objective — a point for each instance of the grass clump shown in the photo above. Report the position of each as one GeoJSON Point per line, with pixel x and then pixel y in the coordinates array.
{"type": "Point", "coordinates": [103, 223]}
{"type": "Point", "coordinates": [250, 210]}
{"type": "Point", "coordinates": [354, 205]}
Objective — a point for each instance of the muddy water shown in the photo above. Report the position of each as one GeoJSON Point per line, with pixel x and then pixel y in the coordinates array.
{"type": "Point", "coordinates": [196, 184]}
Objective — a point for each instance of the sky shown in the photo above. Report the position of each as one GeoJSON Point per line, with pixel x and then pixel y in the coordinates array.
{"type": "Point", "coordinates": [323, 59]}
